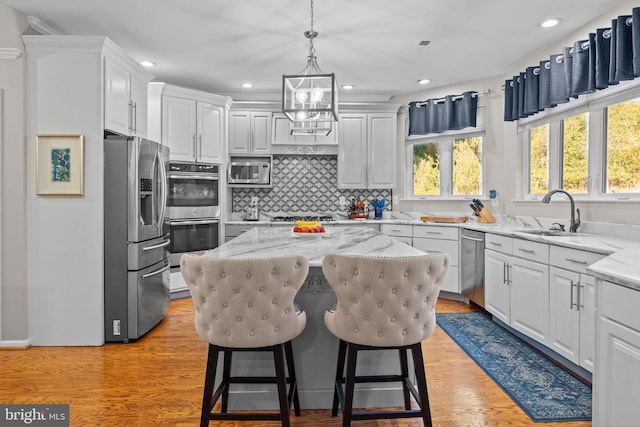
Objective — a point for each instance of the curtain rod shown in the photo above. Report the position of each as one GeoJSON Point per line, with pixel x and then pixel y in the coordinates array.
{"type": "Point", "coordinates": [454, 98]}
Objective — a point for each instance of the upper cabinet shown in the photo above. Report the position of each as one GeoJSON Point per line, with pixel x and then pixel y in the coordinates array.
{"type": "Point", "coordinates": [193, 123]}
{"type": "Point", "coordinates": [250, 132]}
{"type": "Point", "coordinates": [125, 96]}
{"type": "Point", "coordinates": [367, 150]}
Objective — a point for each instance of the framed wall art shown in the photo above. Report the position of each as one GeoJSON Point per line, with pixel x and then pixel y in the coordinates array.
{"type": "Point", "coordinates": [60, 165]}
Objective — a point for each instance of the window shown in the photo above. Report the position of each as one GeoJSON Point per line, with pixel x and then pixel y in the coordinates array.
{"type": "Point", "coordinates": [447, 166]}
{"type": "Point", "coordinates": [590, 147]}
{"type": "Point", "coordinates": [575, 154]}
{"type": "Point", "coordinates": [539, 160]}
{"type": "Point", "coordinates": [623, 147]}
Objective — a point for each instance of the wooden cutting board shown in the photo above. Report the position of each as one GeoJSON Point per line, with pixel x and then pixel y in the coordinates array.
{"type": "Point", "coordinates": [449, 219]}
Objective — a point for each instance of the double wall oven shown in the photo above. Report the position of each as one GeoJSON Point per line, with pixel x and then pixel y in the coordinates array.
{"type": "Point", "coordinates": [193, 208]}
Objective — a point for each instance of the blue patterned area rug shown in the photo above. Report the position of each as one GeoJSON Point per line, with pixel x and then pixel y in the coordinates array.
{"type": "Point", "coordinates": [544, 390]}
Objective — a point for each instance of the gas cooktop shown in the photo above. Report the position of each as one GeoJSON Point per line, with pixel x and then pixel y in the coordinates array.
{"type": "Point", "coordinates": [294, 218]}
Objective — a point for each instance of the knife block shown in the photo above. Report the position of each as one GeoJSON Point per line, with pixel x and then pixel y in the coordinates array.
{"type": "Point", "coordinates": [486, 216]}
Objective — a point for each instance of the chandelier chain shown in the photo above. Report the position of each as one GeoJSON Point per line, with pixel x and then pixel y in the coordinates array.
{"type": "Point", "coordinates": [312, 49]}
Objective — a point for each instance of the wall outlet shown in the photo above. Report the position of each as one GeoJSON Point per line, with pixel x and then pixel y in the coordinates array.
{"type": "Point", "coordinates": [394, 200]}
{"type": "Point", "coordinates": [342, 201]}
{"type": "Point", "coordinates": [254, 201]}
{"type": "Point", "coordinates": [116, 327]}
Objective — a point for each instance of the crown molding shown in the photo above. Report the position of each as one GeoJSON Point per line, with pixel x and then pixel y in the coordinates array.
{"type": "Point", "coordinates": [10, 53]}
{"type": "Point", "coordinates": [41, 27]}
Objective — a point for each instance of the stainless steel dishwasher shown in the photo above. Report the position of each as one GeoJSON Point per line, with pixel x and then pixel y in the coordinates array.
{"type": "Point", "coordinates": [472, 266]}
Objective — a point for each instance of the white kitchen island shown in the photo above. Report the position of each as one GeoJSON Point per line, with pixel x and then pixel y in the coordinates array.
{"type": "Point", "coordinates": [316, 349]}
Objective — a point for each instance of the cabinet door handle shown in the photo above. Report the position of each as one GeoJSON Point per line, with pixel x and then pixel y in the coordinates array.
{"type": "Point", "coordinates": [577, 261]}
{"type": "Point", "coordinates": [505, 273]}
{"type": "Point", "coordinates": [571, 303]}
{"type": "Point", "coordinates": [580, 303]}
{"type": "Point", "coordinates": [200, 144]}
{"type": "Point", "coordinates": [527, 251]}
{"type": "Point", "coordinates": [135, 117]}
{"type": "Point", "coordinates": [130, 118]}
{"type": "Point", "coordinates": [195, 146]}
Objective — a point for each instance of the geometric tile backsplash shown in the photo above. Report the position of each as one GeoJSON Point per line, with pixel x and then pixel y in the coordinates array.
{"type": "Point", "coordinates": [303, 184]}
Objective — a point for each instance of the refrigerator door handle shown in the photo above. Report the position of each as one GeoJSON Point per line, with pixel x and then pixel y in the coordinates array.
{"type": "Point", "coordinates": [153, 273]}
{"type": "Point", "coordinates": [163, 187]}
{"type": "Point", "coordinates": [160, 245]}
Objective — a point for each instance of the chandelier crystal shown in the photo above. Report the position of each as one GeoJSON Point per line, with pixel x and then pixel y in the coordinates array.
{"type": "Point", "coordinates": [310, 98]}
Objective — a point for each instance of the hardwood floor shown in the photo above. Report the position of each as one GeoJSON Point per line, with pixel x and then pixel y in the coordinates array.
{"type": "Point", "coordinates": [157, 381]}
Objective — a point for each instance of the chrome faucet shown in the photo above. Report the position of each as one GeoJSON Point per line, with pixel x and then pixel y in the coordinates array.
{"type": "Point", "coordinates": [575, 223]}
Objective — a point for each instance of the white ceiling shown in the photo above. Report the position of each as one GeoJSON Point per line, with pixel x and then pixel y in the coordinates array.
{"type": "Point", "coordinates": [217, 45]}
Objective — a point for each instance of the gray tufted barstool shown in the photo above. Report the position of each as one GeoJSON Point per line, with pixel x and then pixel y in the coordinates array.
{"type": "Point", "coordinates": [247, 305]}
{"type": "Point", "coordinates": [383, 303]}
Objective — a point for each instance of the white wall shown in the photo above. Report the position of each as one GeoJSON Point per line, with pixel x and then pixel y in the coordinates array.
{"type": "Point", "coordinates": [13, 225]}
{"type": "Point", "coordinates": [65, 233]}
{"type": "Point", "coordinates": [503, 152]}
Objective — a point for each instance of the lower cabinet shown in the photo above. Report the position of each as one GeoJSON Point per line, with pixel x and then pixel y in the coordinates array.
{"type": "Point", "coordinates": [616, 382]}
{"type": "Point", "coordinates": [572, 310]}
{"type": "Point", "coordinates": [517, 289]}
{"type": "Point", "coordinates": [430, 238]}
{"type": "Point", "coordinates": [572, 316]}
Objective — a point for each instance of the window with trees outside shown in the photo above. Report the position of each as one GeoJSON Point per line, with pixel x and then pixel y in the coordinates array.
{"type": "Point", "coordinates": [590, 151]}
{"type": "Point", "coordinates": [447, 166]}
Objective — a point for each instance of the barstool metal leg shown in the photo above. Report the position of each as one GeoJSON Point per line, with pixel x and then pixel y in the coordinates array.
{"type": "Point", "coordinates": [404, 370]}
{"type": "Point", "coordinates": [281, 380]}
{"type": "Point", "coordinates": [293, 387]}
{"type": "Point", "coordinates": [226, 375]}
{"type": "Point", "coordinates": [347, 409]}
{"type": "Point", "coordinates": [339, 380]}
{"type": "Point", "coordinates": [421, 378]}
{"type": "Point", "coordinates": [209, 382]}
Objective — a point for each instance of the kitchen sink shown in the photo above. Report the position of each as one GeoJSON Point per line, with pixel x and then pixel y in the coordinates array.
{"type": "Point", "coordinates": [545, 232]}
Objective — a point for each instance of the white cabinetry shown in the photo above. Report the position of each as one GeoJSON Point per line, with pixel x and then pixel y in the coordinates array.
{"type": "Point", "coordinates": [367, 150]}
{"type": "Point", "coordinates": [281, 134]}
{"type": "Point", "coordinates": [572, 305]}
{"type": "Point", "coordinates": [194, 124]}
{"type": "Point", "coordinates": [125, 96]}
{"type": "Point", "coordinates": [429, 238]}
{"type": "Point", "coordinates": [617, 377]}
{"type": "Point", "coordinates": [250, 132]}
{"type": "Point", "coordinates": [517, 289]}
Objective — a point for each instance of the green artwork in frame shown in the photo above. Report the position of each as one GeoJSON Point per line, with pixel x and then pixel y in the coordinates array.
{"type": "Point", "coordinates": [60, 162]}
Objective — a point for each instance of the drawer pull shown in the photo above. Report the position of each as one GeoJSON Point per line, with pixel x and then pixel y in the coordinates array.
{"type": "Point", "coordinates": [577, 261]}
{"type": "Point", "coordinates": [527, 251]}
{"type": "Point", "coordinates": [433, 232]}
{"type": "Point", "coordinates": [495, 243]}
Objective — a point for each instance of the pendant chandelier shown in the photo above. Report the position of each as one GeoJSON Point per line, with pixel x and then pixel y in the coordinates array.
{"type": "Point", "coordinates": [310, 98]}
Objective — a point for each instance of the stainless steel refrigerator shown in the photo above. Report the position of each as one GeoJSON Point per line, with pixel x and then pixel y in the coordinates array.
{"type": "Point", "coordinates": [136, 256]}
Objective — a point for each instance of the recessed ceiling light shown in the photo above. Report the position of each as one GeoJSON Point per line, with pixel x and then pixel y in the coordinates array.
{"type": "Point", "coordinates": [148, 64]}
{"type": "Point", "coordinates": [424, 81]}
{"type": "Point", "coordinates": [247, 85]}
{"type": "Point", "coordinates": [550, 22]}
{"type": "Point", "coordinates": [348, 87]}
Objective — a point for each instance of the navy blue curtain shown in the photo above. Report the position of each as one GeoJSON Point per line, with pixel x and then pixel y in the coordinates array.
{"type": "Point", "coordinates": [453, 112]}
{"type": "Point", "coordinates": [607, 57]}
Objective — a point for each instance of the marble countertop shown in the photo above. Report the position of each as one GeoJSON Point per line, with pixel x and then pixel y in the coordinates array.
{"type": "Point", "coordinates": [278, 241]}
{"type": "Point", "coordinates": [619, 241]}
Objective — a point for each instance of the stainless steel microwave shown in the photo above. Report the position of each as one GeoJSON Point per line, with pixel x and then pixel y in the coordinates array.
{"type": "Point", "coordinates": [250, 171]}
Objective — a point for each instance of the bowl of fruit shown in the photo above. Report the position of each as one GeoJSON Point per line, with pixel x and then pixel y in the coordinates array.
{"type": "Point", "coordinates": [308, 229]}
